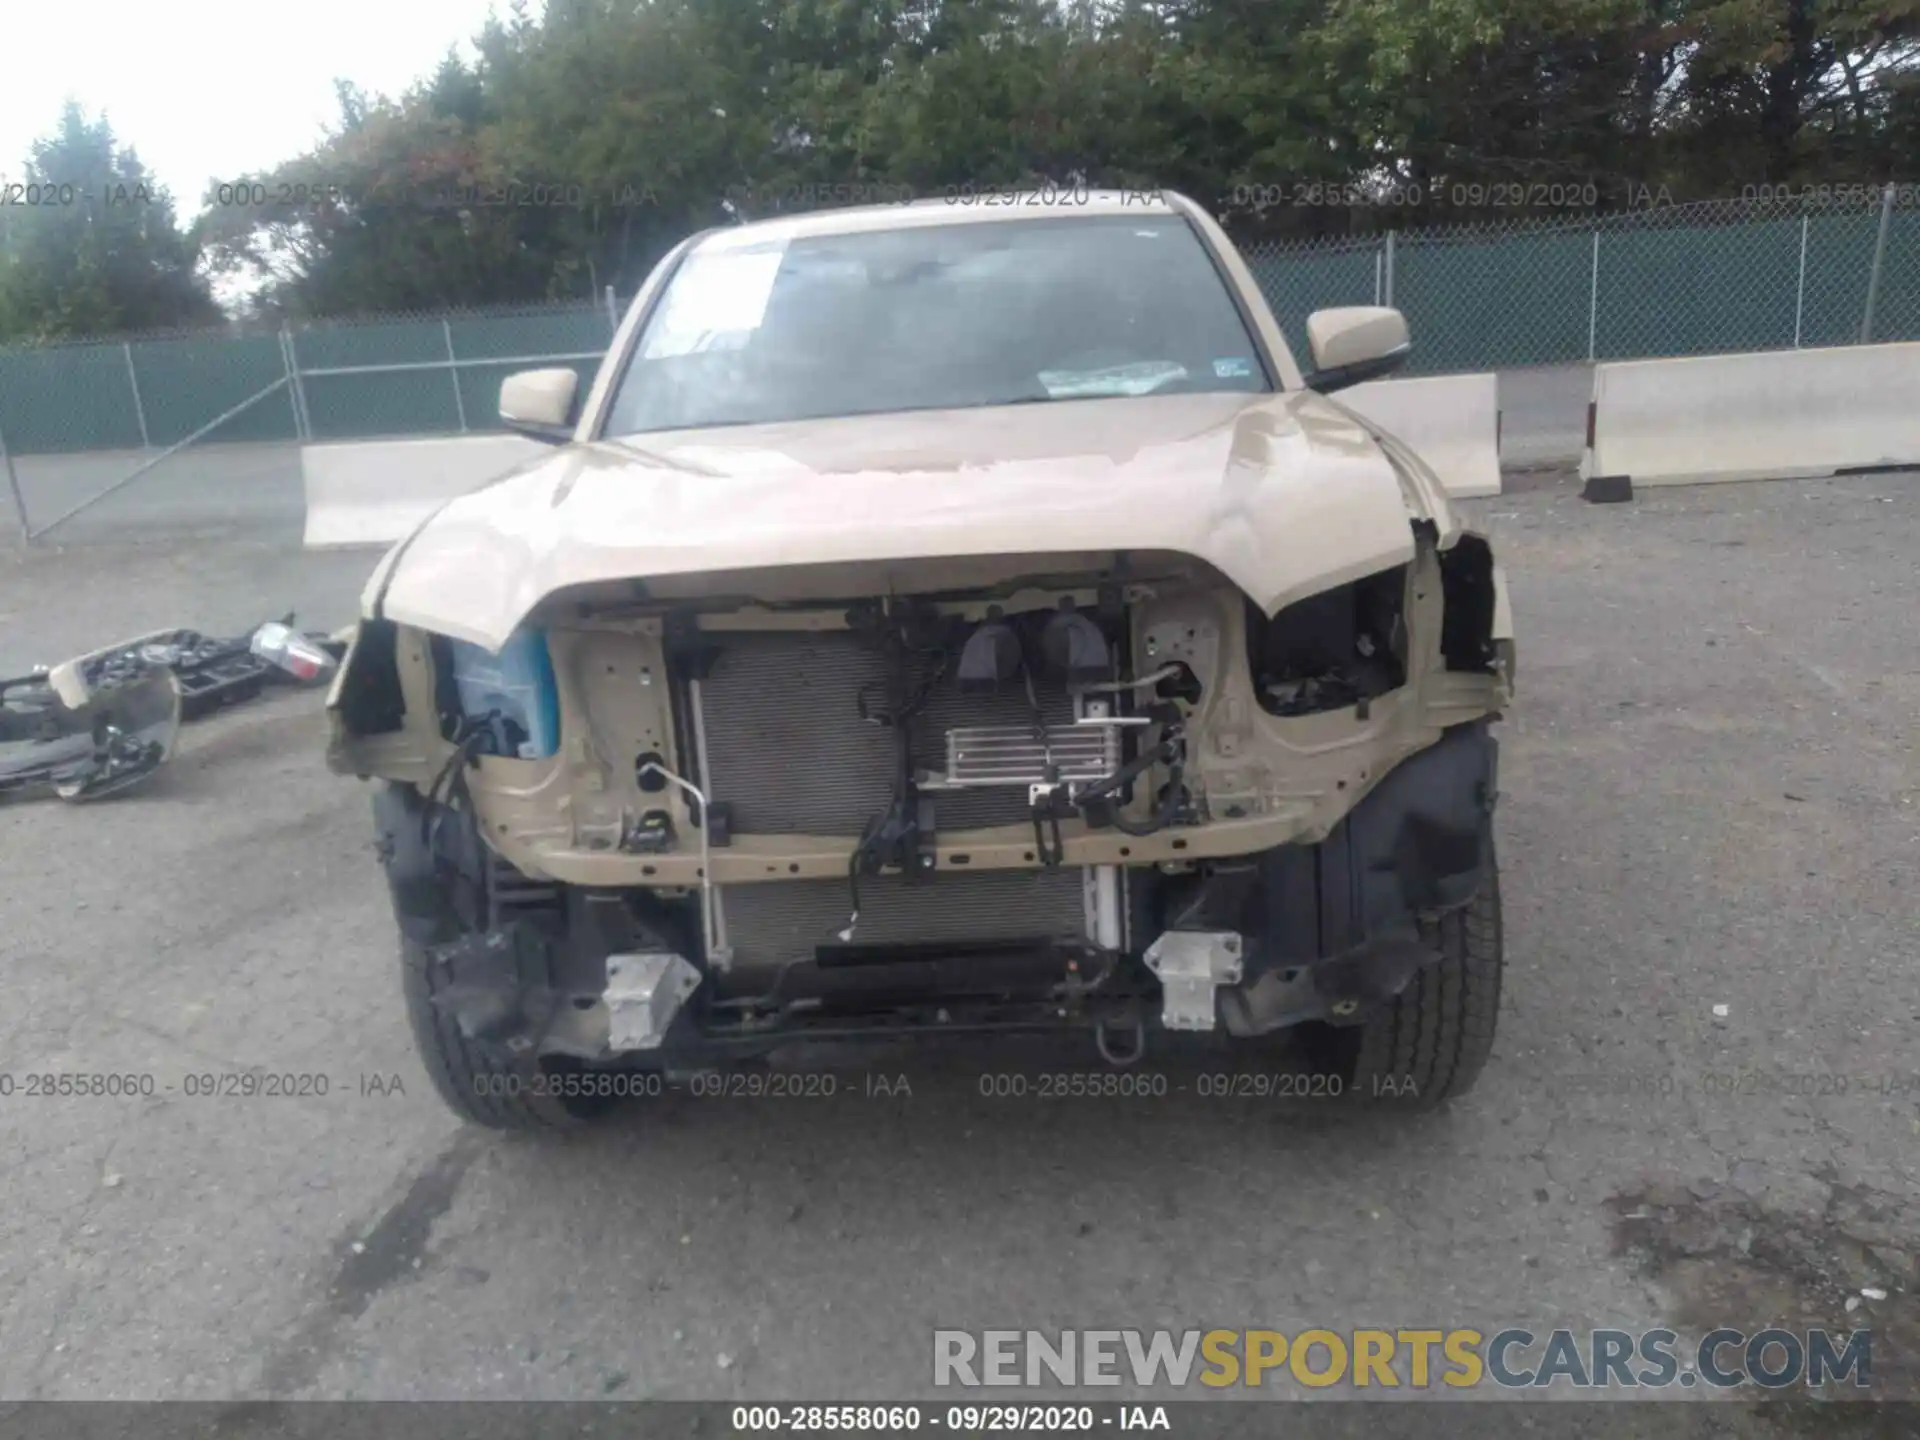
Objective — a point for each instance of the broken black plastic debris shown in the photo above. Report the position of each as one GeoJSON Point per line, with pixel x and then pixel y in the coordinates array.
{"type": "Point", "coordinates": [213, 671]}
{"type": "Point", "coordinates": [114, 741]}
{"type": "Point", "coordinates": [103, 722]}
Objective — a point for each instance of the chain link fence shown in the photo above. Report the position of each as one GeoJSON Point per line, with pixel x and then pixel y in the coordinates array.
{"type": "Point", "coordinates": [317, 380]}
{"type": "Point", "coordinates": [1674, 280]}
{"type": "Point", "coordinates": [202, 429]}
{"type": "Point", "coordinates": [1710, 278]}
{"type": "Point", "coordinates": [438, 375]}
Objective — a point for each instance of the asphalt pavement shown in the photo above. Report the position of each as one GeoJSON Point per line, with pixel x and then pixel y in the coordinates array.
{"type": "Point", "coordinates": [1694, 1114]}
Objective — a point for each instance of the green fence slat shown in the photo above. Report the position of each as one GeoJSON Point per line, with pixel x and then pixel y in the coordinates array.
{"type": "Point", "coordinates": [1295, 285]}
{"type": "Point", "coordinates": [563, 333]}
{"type": "Point", "coordinates": [1684, 281]}
{"type": "Point", "coordinates": [1897, 313]}
{"type": "Point", "coordinates": [406, 402]}
{"type": "Point", "coordinates": [187, 382]}
{"type": "Point", "coordinates": [1501, 302]}
{"type": "Point", "coordinates": [1699, 291]}
{"type": "Point", "coordinates": [516, 338]}
{"type": "Point", "coordinates": [1839, 259]}
{"type": "Point", "coordinates": [67, 398]}
{"type": "Point", "coordinates": [422, 402]}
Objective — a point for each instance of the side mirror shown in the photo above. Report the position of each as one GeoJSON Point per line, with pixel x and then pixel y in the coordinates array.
{"type": "Point", "coordinates": [1355, 343]}
{"type": "Point", "coordinates": [539, 404]}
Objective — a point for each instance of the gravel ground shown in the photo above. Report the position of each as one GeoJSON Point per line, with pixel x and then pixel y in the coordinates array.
{"type": "Point", "coordinates": [1709, 801]}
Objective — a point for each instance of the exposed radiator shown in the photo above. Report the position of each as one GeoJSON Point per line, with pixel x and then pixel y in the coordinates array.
{"type": "Point", "coordinates": [787, 749]}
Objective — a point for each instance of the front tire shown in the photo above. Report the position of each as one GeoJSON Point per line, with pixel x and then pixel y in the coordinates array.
{"type": "Point", "coordinates": [1430, 1044]}
{"type": "Point", "coordinates": [476, 1082]}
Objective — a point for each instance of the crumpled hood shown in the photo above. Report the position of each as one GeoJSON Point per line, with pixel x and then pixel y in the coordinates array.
{"type": "Point", "coordinates": [1287, 494]}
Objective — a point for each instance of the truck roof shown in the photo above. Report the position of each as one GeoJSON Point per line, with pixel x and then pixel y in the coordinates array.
{"type": "Point", "coordinates": [955, 205]}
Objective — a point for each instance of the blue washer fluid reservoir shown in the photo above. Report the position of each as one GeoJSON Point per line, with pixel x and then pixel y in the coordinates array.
{"type": "Point", "coordinates": [518, 684]}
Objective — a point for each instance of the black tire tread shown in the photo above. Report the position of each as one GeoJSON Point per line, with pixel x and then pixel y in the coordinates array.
{"type": "Point", "coordinates": [456, 1065]}
{"type": "Point", "coordinates": [1439, 1032]}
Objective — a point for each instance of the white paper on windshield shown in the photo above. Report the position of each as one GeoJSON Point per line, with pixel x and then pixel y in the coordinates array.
{"type": "Point", "coordinates": [1141, 379]}
{"type": "Point", "coordinates": [716, 302]}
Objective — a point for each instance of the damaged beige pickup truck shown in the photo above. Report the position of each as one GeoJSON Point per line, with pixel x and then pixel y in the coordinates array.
{"type": "Point", "coordinates": [940, 619]}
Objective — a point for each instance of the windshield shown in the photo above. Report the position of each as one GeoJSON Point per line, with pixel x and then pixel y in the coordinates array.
{"type": "Point", "coordinates": [935, 317]}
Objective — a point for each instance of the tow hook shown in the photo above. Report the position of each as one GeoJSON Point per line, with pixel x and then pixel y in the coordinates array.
{"type": "Point", "coordinates": [1122, 1059]}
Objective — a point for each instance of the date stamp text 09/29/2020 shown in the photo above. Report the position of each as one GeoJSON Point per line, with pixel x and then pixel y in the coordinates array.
{"type": "Point", "coordinates": [745, 1084]}
{"type": "Point", "coordinates": [994, 1085]}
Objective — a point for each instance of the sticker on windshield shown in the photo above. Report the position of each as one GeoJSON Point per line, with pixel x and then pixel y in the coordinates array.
{"type": "Point", "coordinates": [1233, 367]}
{"type": "Point", "coordinates": [1112, 380]}
{"type": "Point", "coordinates": [716, 302]}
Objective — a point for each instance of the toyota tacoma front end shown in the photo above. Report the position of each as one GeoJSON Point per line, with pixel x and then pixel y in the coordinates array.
{"type": "Point", "coordinates": [1110, 678]}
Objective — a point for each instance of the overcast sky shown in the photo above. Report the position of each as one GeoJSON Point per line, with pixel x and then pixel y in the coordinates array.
{"type": "Point", "coordinates": [209, 89]}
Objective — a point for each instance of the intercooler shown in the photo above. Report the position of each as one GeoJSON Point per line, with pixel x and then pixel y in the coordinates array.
{"type": "Point", "coordinates": [787, 750]}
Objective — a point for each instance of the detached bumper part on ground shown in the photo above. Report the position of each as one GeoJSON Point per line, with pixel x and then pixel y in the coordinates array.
{"type": "Point", "coordinates": [101, 723]}
{"type": "Point", "coordinates": [111, 741]}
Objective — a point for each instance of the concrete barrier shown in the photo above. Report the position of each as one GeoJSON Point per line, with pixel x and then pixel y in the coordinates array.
{"type": "Point", "coordinates": [1451, 421]}
{"type": "Point", "coordinates": [1772, 415]}
{"type": "Point", "coordinates": [375, 492]}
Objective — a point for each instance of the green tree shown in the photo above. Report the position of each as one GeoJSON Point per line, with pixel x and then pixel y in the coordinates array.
{"type": "Point", "coordinates": [665, 116]}
{"type": "Point", "coordinates": [1705, 97]}
{"type": "Point", "coordinates": [1797, 92]}
{"type": "Point", "coordinates": [390, 211]}
{"type": "Point", "coordinates": [102, 252]}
